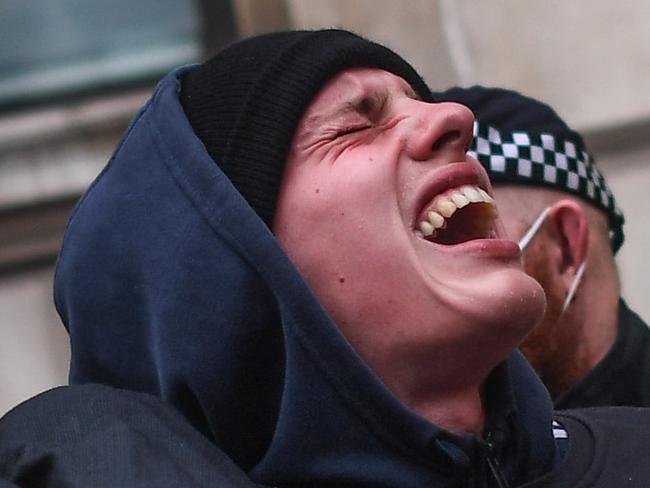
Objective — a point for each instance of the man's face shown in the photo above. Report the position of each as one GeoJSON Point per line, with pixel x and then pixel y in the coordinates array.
{"type": "Point", "coordinates": [369, 164]}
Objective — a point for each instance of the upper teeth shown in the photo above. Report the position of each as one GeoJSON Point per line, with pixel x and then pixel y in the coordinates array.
{"type": "Point", "coordinates": [446, 205]}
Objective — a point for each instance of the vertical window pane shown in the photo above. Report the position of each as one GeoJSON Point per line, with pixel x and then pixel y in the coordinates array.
{"type": "Point", "coordinates": [53, 48]}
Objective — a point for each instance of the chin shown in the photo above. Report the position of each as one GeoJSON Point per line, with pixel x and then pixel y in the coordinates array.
{"type": "Point", "coordinates": [524, 304]}
{"type": "Point", "coordinates": [510, 303]}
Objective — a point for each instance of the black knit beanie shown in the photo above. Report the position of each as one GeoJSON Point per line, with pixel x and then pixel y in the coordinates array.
{"type": "Point", "coordinates": [521, 140]}
{"type": "Point", "coordinates": [245, 103]}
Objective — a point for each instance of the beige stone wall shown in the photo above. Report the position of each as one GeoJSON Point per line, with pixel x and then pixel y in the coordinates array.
{"type": "Point", "coordinates": [628, 173]}
{"type": "Point", "coordinates": [590, 58]}
{"type": "Point", "coordinates": [34, 352]}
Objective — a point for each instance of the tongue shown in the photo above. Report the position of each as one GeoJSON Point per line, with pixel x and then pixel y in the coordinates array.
{"type": "Point", "coordinates": [471, 222]}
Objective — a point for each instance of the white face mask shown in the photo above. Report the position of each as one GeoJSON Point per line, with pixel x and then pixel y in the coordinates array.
{"type": "Point", "coordinates": [528, 237]}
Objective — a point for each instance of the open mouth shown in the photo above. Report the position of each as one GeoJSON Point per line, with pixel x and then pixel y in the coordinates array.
{"type": "Point", "coordinates": [458, 215]}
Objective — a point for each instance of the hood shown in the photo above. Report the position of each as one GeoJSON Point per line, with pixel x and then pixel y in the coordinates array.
{"type": "Point", "coordinates": [169, 283]}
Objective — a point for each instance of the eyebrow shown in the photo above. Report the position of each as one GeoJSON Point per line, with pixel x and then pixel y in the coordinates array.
{"type": "Point", "coordinates": [353, 105]}
{"type": "Point", "coordinates": [340, 110]}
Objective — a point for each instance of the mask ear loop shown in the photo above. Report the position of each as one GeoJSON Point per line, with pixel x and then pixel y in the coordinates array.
{"type": "Point", "coordinates": [525, 241]}
{"type": "Point", "coordinates": [574, 286]}
{"type": "Point", "coordinates": [528, 236]}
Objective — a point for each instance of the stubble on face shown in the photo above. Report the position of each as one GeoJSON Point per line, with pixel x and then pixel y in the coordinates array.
{"type": "Point", "coordinates": [552, 347]}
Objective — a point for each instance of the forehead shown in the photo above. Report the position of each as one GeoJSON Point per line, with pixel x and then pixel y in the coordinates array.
{"type": "Point", "coordinates": [349, 87]}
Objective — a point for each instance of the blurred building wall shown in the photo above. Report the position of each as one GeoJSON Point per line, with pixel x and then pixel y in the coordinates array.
{"type": "Point", "coordinates": [33, 345]}
{"type": "Point", "coordinates": [587, 58]}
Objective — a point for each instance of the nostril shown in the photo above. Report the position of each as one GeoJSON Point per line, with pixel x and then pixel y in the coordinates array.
{"type": "Point", "coordinates": [447, 138]}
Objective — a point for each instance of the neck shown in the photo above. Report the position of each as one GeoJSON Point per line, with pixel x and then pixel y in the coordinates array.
{"type": "Point", "coordinates": [460, 411]}
{"type": "Point", "coordinates": [566, 348]}
{"type": "Point", "coordinates": [601, 327]}
{"type": "Point", "coordinates": [598, 307]}
{"type": "Point", "coordinates": [453, 405]}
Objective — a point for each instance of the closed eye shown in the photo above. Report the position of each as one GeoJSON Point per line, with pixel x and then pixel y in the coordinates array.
{"type": "Point", "coordinates": [352, 129]}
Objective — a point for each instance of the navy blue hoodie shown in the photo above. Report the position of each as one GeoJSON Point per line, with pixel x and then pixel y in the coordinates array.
{"type": "Point", "coordinates": [169, 283]}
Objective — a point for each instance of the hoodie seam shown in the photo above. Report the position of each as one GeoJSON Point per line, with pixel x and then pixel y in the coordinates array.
{"type": "Point", "coordinates": [107, 167]}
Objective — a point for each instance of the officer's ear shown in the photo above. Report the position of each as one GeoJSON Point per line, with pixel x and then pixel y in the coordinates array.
{"type": "Point", "coordinates": [568, 230]}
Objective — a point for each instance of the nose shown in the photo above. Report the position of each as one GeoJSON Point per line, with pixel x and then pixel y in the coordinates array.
{"type": "Point", "coordinates": [444, 129]}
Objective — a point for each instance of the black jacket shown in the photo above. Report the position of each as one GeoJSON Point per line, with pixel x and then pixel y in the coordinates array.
{"type": "Point", "coordinates": [96, 436]}
{"type": "Point", "coordinates": [608, 448]}
{"type": "Point", "coordinates": [622, 378]}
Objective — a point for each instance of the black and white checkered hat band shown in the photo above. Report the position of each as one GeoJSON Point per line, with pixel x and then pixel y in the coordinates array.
{"type": "Point", "coordinates": [544, 160]}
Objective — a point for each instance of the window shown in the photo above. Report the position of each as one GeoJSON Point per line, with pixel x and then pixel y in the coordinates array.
{"type": "Point", "coordinates": [53, 49]}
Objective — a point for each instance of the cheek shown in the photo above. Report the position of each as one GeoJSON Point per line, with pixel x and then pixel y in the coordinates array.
{"type": "Point", "coordinates": [326, 225]}
{"type": "Point", "coordinates": [334, 220]}
{"type": "Point", "coordinates": [343, 193]}
{"type": "Point", "coordinates": [333, 231]}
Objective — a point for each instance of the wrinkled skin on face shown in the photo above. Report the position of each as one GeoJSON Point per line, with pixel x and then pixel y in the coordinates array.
{"type": "Point", "coordinates": [368, 162]}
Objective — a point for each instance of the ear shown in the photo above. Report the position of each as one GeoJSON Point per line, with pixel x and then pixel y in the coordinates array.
{"type": "Point", "coordinates": [570, 231]}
